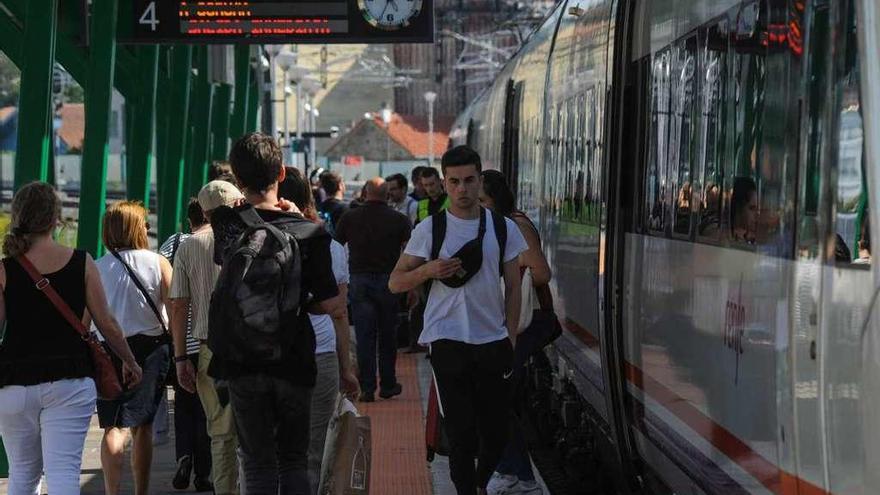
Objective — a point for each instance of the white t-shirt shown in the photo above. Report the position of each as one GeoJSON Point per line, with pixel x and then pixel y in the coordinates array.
{"type": "Point", "coordinates": [473, 313]}
{"type": "Point", "coordinates": [325, 334]}
{"type": "Point", "coordinates": [127, 303]}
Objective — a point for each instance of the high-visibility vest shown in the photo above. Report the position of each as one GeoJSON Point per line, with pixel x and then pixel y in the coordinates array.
{"type": "Point", "coordinates": [424, 206]}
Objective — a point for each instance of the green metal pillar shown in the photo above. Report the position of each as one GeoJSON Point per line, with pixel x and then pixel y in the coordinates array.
{"type": "Point", "coordinates": [98, 97]}
{"type": "Point", "coordinates": [35, 102]}
{"type": "Point", "coordinates": [220, 107]}
{"type": "Point", "coordinates": [171, 167]}
{"type": "Point", "coordinates": [253, 122]}
{"type": "Point", "coordinates": [203, 93]}
{"type": "Point", "coordinates": [238, 123]}
{"type": "Point", "coordinates": [141, 122]}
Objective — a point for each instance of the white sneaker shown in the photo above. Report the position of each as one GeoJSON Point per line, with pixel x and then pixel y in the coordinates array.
{"type": "Point", "coordinates": [499, 483]}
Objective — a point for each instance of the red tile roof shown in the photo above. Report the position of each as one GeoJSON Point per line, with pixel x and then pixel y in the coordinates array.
{"type": "Point", "coordinates": [73, 125]}
{"type": "Point", "coordinates": [5, 112]}
{"type": "Point", "coordinates": [411, 132]}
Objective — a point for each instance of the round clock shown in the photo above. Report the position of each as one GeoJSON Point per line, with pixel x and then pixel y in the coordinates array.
{"type": "Point", "coordinates": [390, 14]}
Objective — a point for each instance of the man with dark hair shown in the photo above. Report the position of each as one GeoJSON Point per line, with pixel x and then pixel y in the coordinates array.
{"type": "Point", "coordinates": [398, 199]}
{"type": "Point", "coordinates": [415, 177]}
{"type": "Point", "coordinates": [270, 391]}
{"type": "Point", "coordinates": [332, 208]}
{"type": "Point", "coordinates": [374, 234]}
{"type": "Point", "coordinates": [436, 199]}
{"type": "Point", "coordinates": [220, 170]}
{"type": "Point", "coordinates": [461, 253]}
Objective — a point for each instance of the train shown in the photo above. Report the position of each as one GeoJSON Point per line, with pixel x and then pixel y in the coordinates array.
{"type": "Point", "coordinates": [701, 173]}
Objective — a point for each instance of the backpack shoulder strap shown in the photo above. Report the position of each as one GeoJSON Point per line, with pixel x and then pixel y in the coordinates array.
{"type": "Point", "coordinates": [438, 233]}
{"type": "Point", "coordinates": [499, 223]}
{"type": "Point", "coordinates": [250, 217]}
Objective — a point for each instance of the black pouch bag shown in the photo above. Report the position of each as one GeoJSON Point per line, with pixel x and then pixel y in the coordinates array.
{"type": "Point", "coordinates": [471, 254]}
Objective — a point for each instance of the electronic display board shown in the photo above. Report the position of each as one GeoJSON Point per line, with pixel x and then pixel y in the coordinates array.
{"type": "Point", "coordinates": [276, 21]}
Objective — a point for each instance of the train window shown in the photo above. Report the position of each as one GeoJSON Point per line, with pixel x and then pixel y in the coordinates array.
{"type": "Point", "coordinates": [681, 139]}
{"type": "Point", "coordinates": [655, 187]}
{"type": "Point", "coordinates": [713, 66]}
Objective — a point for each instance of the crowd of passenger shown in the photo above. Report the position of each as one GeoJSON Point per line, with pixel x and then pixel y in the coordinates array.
{"type": "Point", "coordinates": [248, 313]}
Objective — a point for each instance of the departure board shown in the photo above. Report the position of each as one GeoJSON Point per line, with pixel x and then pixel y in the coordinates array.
{"type": "Point", "coordinates": [276, 21]}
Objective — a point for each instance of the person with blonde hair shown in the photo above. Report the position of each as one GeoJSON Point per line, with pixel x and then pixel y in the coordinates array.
{"type": "Point", "coordinates": [138, 282]}
{"type": "Point", "coordinates": [47, 391]}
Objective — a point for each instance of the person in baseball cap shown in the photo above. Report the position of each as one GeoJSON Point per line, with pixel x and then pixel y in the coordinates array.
{"type": "Point", "coordinates": [218, 193]}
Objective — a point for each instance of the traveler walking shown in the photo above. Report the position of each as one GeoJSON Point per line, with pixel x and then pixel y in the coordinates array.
{"type": "Point", "coordinates": [192, 445]}
{"type": "Point", "coordinates": [375, 234]}
{"type": "Point", "coordinates": [332, 208]}
{"type": "Point", "coordinates": [435, 199]}
{"type": "Point", "coordinates": [47, 393]}
{"type": "Point", "coordinates": [195, 274]}
{"type": "Point", "coordinates": [399, 199]}
{"type": "Point", "coordinates": [137, 281]}
{"type": "Point", "coordinates": [332, 335]}
{"type": "Point", "coordinates": [264, 345]}
{"type": "Point", "coordinates": [514, 474]}
{"type": "Point", "coordinates": [470, 325]}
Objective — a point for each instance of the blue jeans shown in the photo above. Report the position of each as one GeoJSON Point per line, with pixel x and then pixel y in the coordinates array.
{"type": "Point", "coordinates": [374, 310]}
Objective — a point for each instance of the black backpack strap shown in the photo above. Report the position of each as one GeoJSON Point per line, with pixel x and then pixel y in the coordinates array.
{"type": "Point", "coordinates": [438, 235]}
{"type": "Point", "coordinates": [250, 217]}
{"type": "Point", "coordinates": [499, 223]}
{"type": "Point", "coordinates": [142, 289]}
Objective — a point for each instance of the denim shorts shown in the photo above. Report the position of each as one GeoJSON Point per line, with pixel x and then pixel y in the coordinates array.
{"type": "Point", "coordinates": [138, 406]}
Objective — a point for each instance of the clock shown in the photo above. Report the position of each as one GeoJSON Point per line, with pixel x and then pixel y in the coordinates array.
{"type": "Point", "coordinates": [390, 15]}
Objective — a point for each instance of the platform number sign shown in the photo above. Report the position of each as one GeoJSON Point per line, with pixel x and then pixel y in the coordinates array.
{"type": "Point", "coordinates": [149, 17]}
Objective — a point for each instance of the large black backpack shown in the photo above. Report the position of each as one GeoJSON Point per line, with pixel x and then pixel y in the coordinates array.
{"type": "Point", "coordinates": [257, 296]}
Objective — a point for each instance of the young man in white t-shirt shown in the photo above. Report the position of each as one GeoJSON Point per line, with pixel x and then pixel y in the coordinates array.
{"type": "Point", "coordinates": [470, 327]}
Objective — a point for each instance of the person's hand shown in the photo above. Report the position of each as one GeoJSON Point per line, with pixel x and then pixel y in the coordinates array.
{"type": "Point", "coordinates": [239, 202]}
{"type": "Point", "coordinates": [287, 206]}
{"type": "Point", "coordinates": [412, 299]}
{"type": "Point", "coordinates": [441, 269]}
{"type": "Point", "coordinates": [186, 376]}
{"type": "Point", "coordinates": [348, 384]}
{"type": "Point", "coordinates": [131, 373]}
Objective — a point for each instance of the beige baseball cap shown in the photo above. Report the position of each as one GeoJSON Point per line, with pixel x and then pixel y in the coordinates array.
{"type": "Point", "coordinates": [218, 193]}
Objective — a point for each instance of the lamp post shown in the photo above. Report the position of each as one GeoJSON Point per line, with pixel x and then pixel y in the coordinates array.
{"type": "Point", "coordinates": [286, 60]}
{"type": "Point", "coordinates": [430, 97]}
{"type": "Point", "coordinates": [272, 52]}
{"type": "Point", "coordinates": [311, 85]}
{"type": "Point", "coordinates": [297, 75]}
{"type": "Point", "coordinates": [386, 113]}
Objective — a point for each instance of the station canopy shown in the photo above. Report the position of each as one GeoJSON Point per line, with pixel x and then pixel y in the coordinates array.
{"type": "Point", "coordinates": [276, 21]}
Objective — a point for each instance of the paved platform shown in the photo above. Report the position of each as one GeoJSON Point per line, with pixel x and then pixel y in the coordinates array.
{"type": "Point", "coordinates": [399, 466]}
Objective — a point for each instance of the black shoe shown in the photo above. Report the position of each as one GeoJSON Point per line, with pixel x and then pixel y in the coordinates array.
{"type": "Point", "coordinates": [367, 397]}
{"type": "Point", "coordinates": [397, 389]}
{"type": "Point", "coordinates": [184, 469]}
{"type": "Point", "coordinates": [203, 485]}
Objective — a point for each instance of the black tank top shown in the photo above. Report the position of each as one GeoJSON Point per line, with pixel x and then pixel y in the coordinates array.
{"type": "Point", "coordinates": [39, 345]}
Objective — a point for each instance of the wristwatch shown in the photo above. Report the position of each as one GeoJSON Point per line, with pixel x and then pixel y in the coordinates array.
{"type": "Point", "coordinates": [180, 359]}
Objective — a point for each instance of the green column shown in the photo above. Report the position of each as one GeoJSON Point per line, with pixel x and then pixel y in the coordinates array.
{"type": "Point", "coordinates": [203, 93]}
{"type": "Point", "coordinates": [171, 166]}
{"type": "Point", "coordinates": [98, 96]}
{"type": "Point", "coordinates": [220, 107]}
{"type": "Point", "coordinates": [238, 123]}
{"type": "Point", "coordinates": [253, 124]}
{"type": "Point", "coordinates": [35, 102]}
{"type": "Point", "coordinates": [141, 120]}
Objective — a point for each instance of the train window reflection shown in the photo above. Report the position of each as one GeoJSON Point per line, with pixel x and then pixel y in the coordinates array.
{"type": "Point", "coordinates": [744, 210]}
{"type": "Point", "coordinates": [656, 186]}
{"type": "Point", "coordinates": [712, 69]}
{"type": "Point", "coordinates": [681, 139]}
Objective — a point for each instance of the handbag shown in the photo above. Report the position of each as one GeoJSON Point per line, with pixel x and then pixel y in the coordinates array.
{"type": "Point", "coordinates": [106, 381]}
{"type": "Point", "coordinates": [345, 467]}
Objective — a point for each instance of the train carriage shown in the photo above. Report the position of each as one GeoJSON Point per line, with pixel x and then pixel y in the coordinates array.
{"type": "Point", "coordinates": [694, 168]}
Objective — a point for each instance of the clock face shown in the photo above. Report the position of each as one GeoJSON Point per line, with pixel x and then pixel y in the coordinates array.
{"type": "Point", "coordinates": [390, 14]}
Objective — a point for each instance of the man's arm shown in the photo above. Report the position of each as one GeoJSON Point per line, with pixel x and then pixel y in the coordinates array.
{"type": "Point", "coordinates": [512, 298]}
{"type": "Point", "coordinates": [348, 381]}
{"type": "Point", "coordinates": [412, 271]}
{"type": "Point", "coordinates": [186, 373]}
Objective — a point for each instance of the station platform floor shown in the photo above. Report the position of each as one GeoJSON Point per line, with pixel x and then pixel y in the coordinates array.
{"type": "Point", "coordinates": [398, 467]}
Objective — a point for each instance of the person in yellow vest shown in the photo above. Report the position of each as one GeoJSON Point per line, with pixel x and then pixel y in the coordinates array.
{"type": "Point", "coordinates": [436, 199]}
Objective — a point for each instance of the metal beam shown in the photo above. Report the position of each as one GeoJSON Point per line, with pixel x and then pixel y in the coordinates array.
{"type": "Point", "coordinates": [238, 122]}
{"type": "Point", "coordinates": [98, 98]}
{"type": "Point", "coordinates": [252, 122]}
{"type": "Point", "coordinates": [11, 34]}
{"type": "Point", "coordinates": [141, 120]}
{"type": "Point", "coordinates": [35, 100]}
{"type": "Point", "coordinates": [220, 107]}
{"type": "Point", "coordinates": [171, 166]}
{"type": "Point", "coordinates": [203, 93]}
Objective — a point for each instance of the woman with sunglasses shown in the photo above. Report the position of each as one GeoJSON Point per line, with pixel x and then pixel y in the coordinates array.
{"type": "Point", "coordinates": [137, 282]}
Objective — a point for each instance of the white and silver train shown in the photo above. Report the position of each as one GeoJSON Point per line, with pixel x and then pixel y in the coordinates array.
{"type": "Point", "coordinates": [690, 165]}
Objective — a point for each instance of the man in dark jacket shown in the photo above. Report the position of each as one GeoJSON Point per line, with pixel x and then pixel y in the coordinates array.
{"type": "Point", "coordinates": [375, 234]}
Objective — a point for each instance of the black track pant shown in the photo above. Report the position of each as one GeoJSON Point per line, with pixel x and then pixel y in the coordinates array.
{"type": "Point", "coordinates": [473, 381]}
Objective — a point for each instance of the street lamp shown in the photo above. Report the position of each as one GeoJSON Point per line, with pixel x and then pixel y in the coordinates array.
{"type": "Point", "coordinates": [430, 97]}
{"type": "Point", "coordinates": [297, 75]}
{"type": "Point", "coordinates": [286, 60]}
{"type": "Point", "coordinates": [311, 85]}
{"type": "Point", "coordinates": [386, 118]}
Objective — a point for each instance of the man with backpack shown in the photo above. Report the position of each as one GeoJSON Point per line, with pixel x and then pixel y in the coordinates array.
{"type": "Point", "coordinates": [470, 325]}
{"type": "Point", "coordinates": [276, 269]}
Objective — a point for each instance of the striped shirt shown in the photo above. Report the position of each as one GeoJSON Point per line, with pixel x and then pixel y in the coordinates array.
{"type": "Point", "coordinates": [169, 250]}
{"type": "Point", "coordinates": [195, 274]}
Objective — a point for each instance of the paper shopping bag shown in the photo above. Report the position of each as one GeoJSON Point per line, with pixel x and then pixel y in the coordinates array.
{"type": "Point", "coordinates": [345, 468]}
